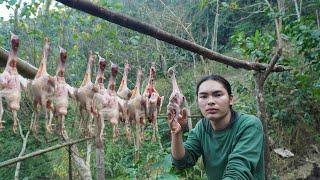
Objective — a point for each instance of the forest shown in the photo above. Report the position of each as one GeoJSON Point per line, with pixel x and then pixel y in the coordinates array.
{"type": "Point", "coordinates": [269, 50]}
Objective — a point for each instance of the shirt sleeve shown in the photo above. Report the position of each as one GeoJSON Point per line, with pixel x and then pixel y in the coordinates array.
{"type": "Point", "coordinates": [193, 149]}
{"type": "Point", "coordinates": [248, 150]}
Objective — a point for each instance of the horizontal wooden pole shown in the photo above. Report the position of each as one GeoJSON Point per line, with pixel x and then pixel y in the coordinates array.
{"type": "Point", "coordinates": [150, 30]}
{"type": "Point", "coordinates": [37, 153]}
{"type": "Point", "coordinates": [165, 116]}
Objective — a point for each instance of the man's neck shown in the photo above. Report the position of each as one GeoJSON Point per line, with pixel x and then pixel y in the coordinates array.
{"type": "Point", "coordinates": [222, 123]}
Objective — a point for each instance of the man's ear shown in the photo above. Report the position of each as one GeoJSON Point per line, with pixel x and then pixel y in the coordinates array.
{"type": "Point", "coordinates": [231, 100]}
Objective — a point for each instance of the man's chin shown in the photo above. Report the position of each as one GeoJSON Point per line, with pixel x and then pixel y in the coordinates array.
{"type": "Point", "coordinates": [212, 117]}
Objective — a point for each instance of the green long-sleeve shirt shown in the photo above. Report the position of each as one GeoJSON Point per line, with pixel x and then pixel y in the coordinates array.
{"type": "Point", "coordinates": [235, 152]}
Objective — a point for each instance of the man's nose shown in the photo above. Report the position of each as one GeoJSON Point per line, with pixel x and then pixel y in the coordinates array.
{"type": "Point", "coordinates": [211, 100]}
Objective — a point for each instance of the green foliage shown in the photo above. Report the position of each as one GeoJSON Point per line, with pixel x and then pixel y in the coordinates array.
{"type": "Point", "coordinates": [303, 92]}
{"type": "Point", "coordinates": [306, 38]}
{"type": "Point", "coordinates": [257, 47]}
{"type": "Point", "coordinates": [291, 97]}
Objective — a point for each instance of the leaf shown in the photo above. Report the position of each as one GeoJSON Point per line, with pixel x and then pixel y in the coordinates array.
{"type": "Point", "coordinates": [303, 27]}
{"type": "Point", "coordinates": [203, 4]}
{"type": "Point", "coordinates": [167, 164]}
{"type": "Point", "coordinates": [12, 2]}
{"type": "Point", "coordinates": [118, 6]}
{"type": "Point", "coordinates": [75, 36]}
{"type": "Point", "coordinates": [234, 6]}
{"type": "Point", "coordinates": [224, 4]}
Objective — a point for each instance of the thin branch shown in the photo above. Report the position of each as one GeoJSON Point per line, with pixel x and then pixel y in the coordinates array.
{"type": "Point", "coordinates": [244, 18]}
{"type": "Point", "coordinates": [272, 63]}
{"type": "Point", "coordinates": [179, 21]}
{"type": "Point", "coordinates": [318, 18]}
{"type": "Point", "coordinates": [297, 9]}
{"type": "Point", "coordinates": [24, 146]}
{"type": "Point", "coordinates": [249, 6]}
{"type": "Point", "coordinates": [278, 54]}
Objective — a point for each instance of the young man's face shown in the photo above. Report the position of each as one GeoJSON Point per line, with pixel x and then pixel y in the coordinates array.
{"type": "Point", "coordinates": [213, 100]}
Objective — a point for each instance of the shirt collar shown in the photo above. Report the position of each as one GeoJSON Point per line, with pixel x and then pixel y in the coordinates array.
{"type": "Point", "coordinates": [208, 128]}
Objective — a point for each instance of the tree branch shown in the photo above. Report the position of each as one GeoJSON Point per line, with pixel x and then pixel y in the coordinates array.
{"type": "Point", "coordinates": [272, 63]}
{"type": "Point", "coordinates": [157, 33]}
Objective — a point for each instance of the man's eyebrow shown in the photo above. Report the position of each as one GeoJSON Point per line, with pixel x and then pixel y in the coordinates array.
{"type": "Point", "coordinates": [203, 93]}
{"type": "Point", "coordinates": [208, 92]}
{"type": "Point", "coordinates": [217, 91]}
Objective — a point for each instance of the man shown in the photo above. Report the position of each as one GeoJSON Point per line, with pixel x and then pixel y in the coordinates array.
{"type": "Point", "coordinates": [230, 143]}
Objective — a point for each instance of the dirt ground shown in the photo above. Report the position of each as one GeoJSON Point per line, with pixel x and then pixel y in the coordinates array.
{"type": "Point", "coordinates": [296, 167]}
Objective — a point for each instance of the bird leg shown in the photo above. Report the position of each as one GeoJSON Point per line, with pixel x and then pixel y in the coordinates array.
{"type": "Point", "coordinates": [61, 120]}
{"type": "Point", "coordinates": [90, 125]}
{"type": "Point", "coordinates": [142, 125]}
{"type": "Point", "coordinates": [1, 114]}
{"type": "Point", "coordinates": [154, 126]}
{"type": "Point", "coordinates": [48, 118]}
{"type": "Point", "coordinates": [15, 121]}
{"type": "Point", "coordinates": [127, 126]}
{"type": "Point", "coordinates": [115, 130]}
{"type": "Point", "coordinates": [36, 118]}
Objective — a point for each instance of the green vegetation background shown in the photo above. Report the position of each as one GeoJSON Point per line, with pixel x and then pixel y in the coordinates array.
{"type": "Point", "coordinates": [245, 31]}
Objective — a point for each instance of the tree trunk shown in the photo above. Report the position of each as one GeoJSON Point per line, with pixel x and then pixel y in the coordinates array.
{"type": "Point", "coordinates": [46, 7]}
{"type": "Point", "coordinates": [100, 163]}
{"type": "Point", "coordinates": [262, 114]}
{"type": "Point", "coordinates": [100, 150]}
{"type": "Point", "coordinates": [214, 41]}
{"type": "Point", "coordinates": [16, 18]}
{"type": "Point", "coordinates": [157, 33]}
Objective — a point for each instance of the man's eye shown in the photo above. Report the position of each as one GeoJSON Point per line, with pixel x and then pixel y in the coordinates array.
{"type": "Point", "coordinates": [218, 95]}
{"type": "Point", "coordinates": [202, 97]}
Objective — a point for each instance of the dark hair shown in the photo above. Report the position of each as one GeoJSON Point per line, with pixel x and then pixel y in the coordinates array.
{"type": "Point", "coordinates": [218, 78]}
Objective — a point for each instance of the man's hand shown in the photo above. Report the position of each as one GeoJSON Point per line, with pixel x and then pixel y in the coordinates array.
{"type": "Point", "coordinates": [176, 125]}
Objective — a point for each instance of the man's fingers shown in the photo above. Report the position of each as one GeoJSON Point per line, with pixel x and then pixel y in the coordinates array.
{"type": "Point", "coordinates": [175, 127]}
{"type": "Point", "coordinates": [172, 106]}
{"type": "Point", "coordinates": [183, 117]}
{"type": "Point", "coordinates": [169, 116]}
{"type": "Point", "coordinates": [172, 109]}
{"type": "Point", "coordinates": [184, 113]}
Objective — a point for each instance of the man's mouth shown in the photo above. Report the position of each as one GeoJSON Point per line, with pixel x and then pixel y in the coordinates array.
{"type": "Point", "coordinates": [212, 111]}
